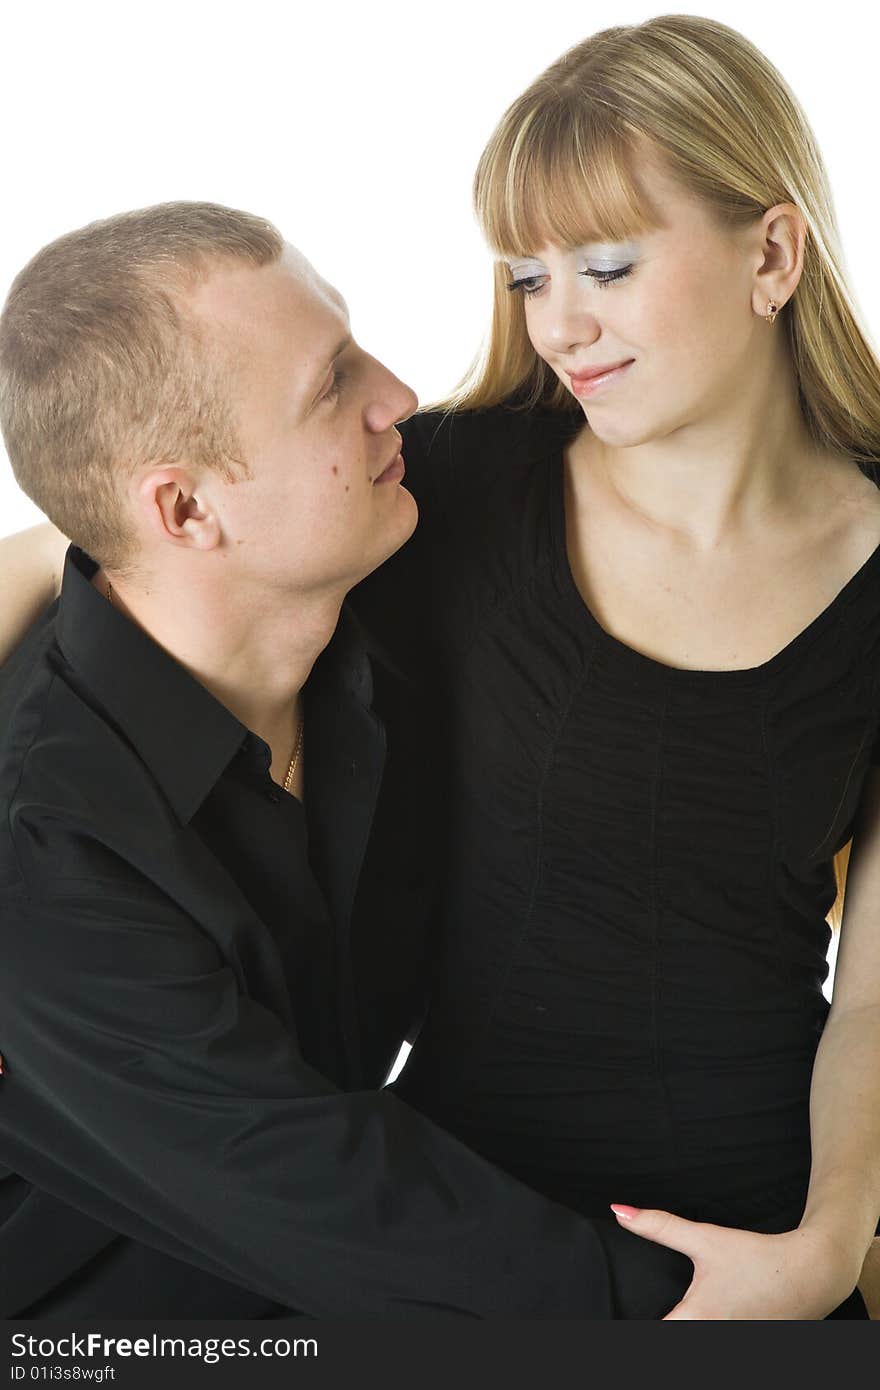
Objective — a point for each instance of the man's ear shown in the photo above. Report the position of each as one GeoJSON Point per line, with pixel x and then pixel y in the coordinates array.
{"type": "Point", "coordinates": [176, 510]}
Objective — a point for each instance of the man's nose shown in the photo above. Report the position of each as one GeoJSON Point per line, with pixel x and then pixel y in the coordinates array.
{"type": "Point", "coordinates": [411, 402]}
{"type": "Point", "coordinates": [394, 401]}
{"type": "Point", "coordinates": [405, 401]}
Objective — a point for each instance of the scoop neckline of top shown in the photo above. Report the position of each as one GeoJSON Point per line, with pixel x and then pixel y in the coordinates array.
{"type": "Point", "coordinates": [698, 675]}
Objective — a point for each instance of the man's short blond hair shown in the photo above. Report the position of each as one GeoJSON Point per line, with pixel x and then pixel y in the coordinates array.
{"type": "Point", "coordinates": [103, 371]}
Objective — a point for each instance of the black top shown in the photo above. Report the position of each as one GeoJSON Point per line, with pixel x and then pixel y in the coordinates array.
{"type": "Point", "coordinates": [193, 971]}
{"type": "Point", "coordinates": [639, 866]}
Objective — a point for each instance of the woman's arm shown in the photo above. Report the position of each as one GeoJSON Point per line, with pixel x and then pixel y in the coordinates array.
{"type": "Point", "coordinates": [31, 563]}
{"type": "Point", "coordinates": [844, 1192]}
{"type": "Point", "coordinates": [869, 1280]}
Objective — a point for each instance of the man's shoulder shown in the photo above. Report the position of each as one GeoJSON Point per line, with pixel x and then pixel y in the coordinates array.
{"type": "Point", "coordinates": [68, 777]}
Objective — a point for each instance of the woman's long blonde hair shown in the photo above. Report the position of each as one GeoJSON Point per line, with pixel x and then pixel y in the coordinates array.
{"type": "Point", "coordinates": [560, 168]}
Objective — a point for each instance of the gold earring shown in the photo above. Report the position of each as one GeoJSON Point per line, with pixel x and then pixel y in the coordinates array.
{"type": "Point", "coordinates": [772, 311]}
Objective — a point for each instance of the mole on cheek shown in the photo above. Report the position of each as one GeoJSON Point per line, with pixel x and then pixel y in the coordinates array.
{"type": "Point", "coordinates": [347, 488]}
{"type": "Point", "coordinates": [335, 471]}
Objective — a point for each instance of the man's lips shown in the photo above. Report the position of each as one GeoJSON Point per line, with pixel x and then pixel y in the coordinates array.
{"type": "Point", "coordinates": [394, 472]}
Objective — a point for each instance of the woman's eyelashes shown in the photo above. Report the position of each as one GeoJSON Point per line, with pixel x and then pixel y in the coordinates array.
{"type": "Point", "coordinates": [529, 285]}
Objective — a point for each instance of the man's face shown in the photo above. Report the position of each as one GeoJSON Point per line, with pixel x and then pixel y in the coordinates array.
{"type": "Point", "coordinates": [315, 417]}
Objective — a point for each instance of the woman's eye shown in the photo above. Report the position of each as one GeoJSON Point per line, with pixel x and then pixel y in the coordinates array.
{"type": "Point", "coordinates": [607, 277]}
{"type": "Point", "coordinates": [529, 285]}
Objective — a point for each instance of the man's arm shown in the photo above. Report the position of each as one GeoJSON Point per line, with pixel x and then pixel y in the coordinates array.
{"type": "Point", "coordinates": [145, 1088]}
{"type": "Point", "coordinates": [31, 563]}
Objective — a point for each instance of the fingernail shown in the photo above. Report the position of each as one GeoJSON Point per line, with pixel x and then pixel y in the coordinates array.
{"type": "Point", "coordinates": [625, 1213]}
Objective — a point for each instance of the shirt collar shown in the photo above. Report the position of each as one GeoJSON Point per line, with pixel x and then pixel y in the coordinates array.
{"type": "Point", "coordinates": [184, 735]}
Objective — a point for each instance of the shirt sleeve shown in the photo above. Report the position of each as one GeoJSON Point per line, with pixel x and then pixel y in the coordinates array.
{"type": "Point", "coordinates": [145, 1088]}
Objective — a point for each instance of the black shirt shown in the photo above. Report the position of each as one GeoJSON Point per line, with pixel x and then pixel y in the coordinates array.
{"type": "Point", "coordinates": [639, 861]}
{"type": "Point", "coordinates": [203, 986]}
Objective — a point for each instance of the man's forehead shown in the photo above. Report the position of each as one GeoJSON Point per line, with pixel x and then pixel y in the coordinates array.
{"type": "Point", "coordinates": [278, 322]}
{"type": "Point", "coordinates": [244, 297]}
{"type": "Point", "coordinates": [302, 269]}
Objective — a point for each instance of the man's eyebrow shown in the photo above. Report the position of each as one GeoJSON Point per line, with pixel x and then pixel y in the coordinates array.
{"type": "Point", "coordinates": [318, 378]}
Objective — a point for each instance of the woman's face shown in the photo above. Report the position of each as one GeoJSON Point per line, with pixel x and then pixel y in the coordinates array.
{"type": "Point", "coordinates": [680, 305]}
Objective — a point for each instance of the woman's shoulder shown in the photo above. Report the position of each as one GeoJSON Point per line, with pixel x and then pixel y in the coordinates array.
{"type": "Point", "coordinates": [457, 451]}
{"type": "Point", "coordinates": [436, 429]}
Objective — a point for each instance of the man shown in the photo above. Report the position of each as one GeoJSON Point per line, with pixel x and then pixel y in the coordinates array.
{"type": "Point", "coordinates": [205, 975]}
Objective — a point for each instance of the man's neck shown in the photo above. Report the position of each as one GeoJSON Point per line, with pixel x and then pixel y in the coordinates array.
{"type": "Point", "coordinates": [254, 657]}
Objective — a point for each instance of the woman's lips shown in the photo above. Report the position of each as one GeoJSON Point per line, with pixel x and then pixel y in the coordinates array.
{"type": "Point", "coordinates": [393, 473]}
{"type": "Point", "coordinates": [590, 385]}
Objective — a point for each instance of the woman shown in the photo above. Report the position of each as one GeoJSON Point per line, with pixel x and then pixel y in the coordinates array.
{"type": "Point", "coordinates": [654, 605]}
{"type": "Point", "coordinates": [649, 609]}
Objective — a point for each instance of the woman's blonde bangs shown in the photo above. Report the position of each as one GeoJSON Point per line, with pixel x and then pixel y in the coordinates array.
{"type": "Point", "coordinates": [554, 176]}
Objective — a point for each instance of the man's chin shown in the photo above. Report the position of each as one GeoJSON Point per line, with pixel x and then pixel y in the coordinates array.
{"type": "Point", "coordinates": [405, 520]}
{"type": "Point", "coordinates": [394, 543]}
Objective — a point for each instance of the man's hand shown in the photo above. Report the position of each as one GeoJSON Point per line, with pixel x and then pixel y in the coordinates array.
{"type": "Point", "coordinates": [748, 1275]}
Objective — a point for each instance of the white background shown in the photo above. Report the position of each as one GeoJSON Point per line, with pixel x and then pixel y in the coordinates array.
{"type": "Point", "coordinates": [356, 129]}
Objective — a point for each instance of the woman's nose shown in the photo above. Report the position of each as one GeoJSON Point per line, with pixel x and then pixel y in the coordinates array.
{"type": "Point", "coordinates": [566, 322]}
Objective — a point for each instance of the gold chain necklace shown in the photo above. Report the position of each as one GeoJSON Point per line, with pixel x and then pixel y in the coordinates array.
{"type": "Point", "coordinates": [295, 759]}
{"type": "Point", "coordinates": [291, 766]}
